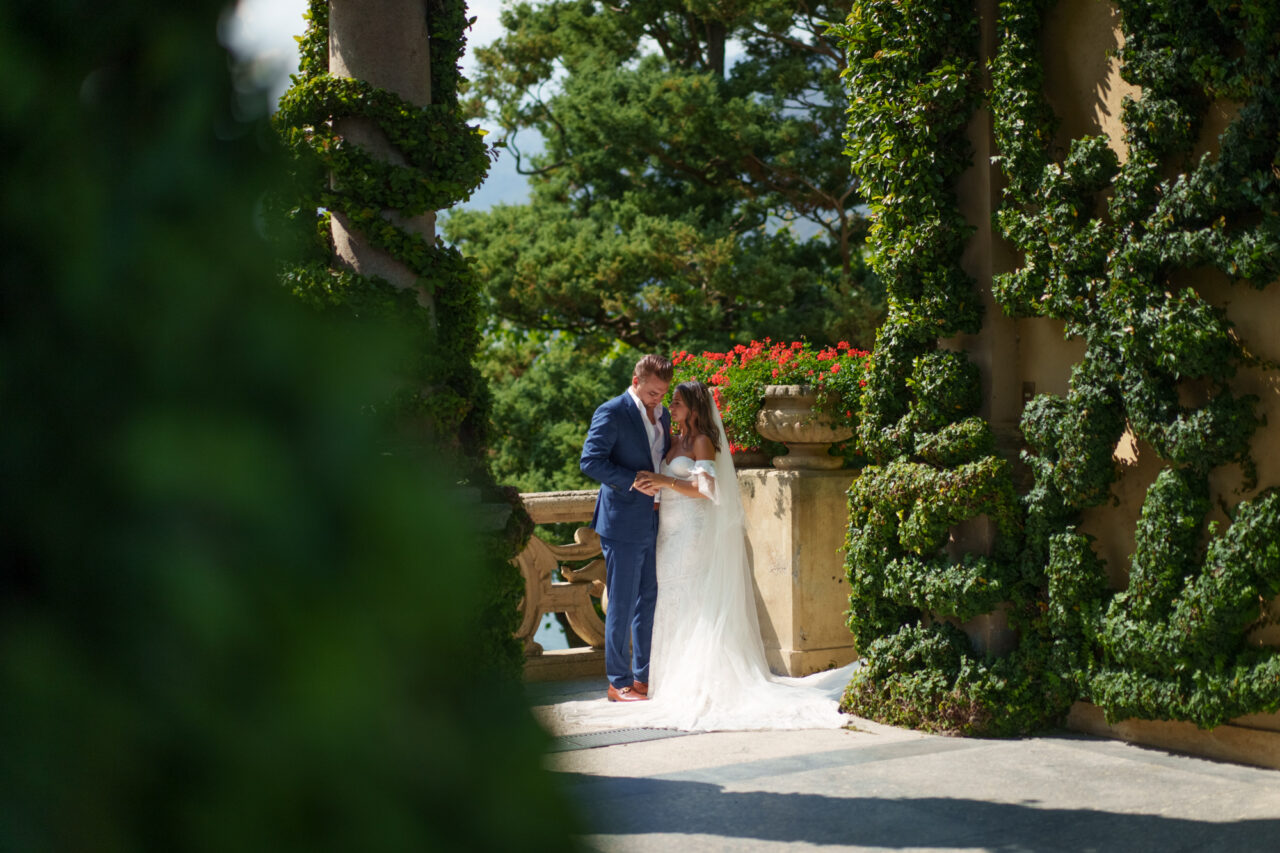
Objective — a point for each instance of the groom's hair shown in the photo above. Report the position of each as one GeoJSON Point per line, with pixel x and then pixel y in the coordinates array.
{"type": "Point", "coordinates": [655, 365]}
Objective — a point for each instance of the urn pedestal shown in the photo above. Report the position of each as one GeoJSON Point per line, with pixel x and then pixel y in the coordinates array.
{"type": "Point", "coordinates": [796, 523]}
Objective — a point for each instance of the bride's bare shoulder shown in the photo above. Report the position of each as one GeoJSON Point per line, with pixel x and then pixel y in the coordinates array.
{"type": "Point", "coordinates": [703, 448]}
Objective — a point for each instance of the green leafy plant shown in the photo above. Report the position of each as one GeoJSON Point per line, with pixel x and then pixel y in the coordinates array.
{"type": "Point", "coordinates": [1100, 242]}
{"type": "Point", "coordinates": [912, 81]}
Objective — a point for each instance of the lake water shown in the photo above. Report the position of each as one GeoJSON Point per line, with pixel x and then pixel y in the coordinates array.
{"type": "Point", "coordinates": [550, 635]}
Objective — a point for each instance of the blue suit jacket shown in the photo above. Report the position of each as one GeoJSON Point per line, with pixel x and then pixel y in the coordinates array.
{"type": "Point", "coordinates": [617, 446]}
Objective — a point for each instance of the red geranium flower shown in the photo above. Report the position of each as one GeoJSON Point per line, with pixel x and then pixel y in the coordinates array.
{"type": "Point", "coordinates": [738, 376]}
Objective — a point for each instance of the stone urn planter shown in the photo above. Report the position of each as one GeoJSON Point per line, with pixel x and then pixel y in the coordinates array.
{"type": "Point", "coordinates": [787, 416]}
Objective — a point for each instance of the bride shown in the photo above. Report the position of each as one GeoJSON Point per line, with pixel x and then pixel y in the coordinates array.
{"type": "Point", "coordinates": [707, 665]}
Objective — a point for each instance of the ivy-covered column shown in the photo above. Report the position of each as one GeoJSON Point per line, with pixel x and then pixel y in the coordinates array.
{"type": "Point", "coordinates": [370, 166]}
{"type": "Point", "coordinates": [385, 43]}
{"type": "Point", "coordinates": [992, 349]}
{"type": "Point", "coordinates": [377, 144]}
{"type": "Point", "coordinates": [935, 529]}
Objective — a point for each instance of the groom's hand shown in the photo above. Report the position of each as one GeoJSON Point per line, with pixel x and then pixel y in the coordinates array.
{"type": "Point", "coordinates": [645, 483]}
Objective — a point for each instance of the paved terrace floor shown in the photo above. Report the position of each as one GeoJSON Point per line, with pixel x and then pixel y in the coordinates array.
{"type": "Point", "coordinates": [875, 787]}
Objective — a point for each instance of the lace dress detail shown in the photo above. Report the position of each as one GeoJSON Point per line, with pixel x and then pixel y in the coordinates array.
{"type": "Point", "coordinates": [682, 521]}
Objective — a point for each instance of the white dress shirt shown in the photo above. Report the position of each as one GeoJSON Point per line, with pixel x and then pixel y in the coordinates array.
{"type": "Point", "coordinates": [652, 428]}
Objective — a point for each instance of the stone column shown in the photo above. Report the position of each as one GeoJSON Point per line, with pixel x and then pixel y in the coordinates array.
{"type": "Point", "coordinates": [994, 349]}
{"type": "Point", "coordinates": [385, 43]}
{"type": "Point", "coordinates": [796, 522]}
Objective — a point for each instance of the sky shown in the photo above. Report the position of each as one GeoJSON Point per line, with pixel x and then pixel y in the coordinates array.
{"type": "Point", "coordinates": [261, 34]}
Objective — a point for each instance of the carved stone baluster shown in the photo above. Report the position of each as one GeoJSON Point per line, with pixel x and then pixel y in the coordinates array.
{"type": "Point", "coordinates": [574, 596]}
{"type": "Point", "coordinates": [536, 563]}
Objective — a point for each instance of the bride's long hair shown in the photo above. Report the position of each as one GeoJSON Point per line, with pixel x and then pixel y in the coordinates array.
{"type": "Point", "coordinates": [697, 398]}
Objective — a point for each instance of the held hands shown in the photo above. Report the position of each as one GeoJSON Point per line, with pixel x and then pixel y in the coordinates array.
{"type": "Point", "coordinates": [648, 482]}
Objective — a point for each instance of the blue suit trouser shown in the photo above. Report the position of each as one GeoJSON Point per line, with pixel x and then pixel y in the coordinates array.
{"type": "Point", "coordinates": [631, 578]}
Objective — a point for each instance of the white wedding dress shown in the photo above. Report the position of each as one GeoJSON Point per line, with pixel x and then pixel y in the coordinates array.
{"type": "Point", "coordinates": [707, 667]}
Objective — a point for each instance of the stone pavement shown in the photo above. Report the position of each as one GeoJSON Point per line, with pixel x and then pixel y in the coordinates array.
{"type": "Point", "coordinates": [876, 787]}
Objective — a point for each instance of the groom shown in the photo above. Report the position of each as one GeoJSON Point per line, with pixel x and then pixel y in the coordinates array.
{"type": "Point", "coordinates": [628, 434]}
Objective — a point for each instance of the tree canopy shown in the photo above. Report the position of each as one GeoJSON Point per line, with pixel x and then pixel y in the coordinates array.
{"type": "Point", "coordinates": [692, 190]}
{"type": "Point", "coordinates": [545, 390]}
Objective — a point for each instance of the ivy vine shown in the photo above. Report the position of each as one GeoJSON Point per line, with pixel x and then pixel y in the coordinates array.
{"type": "Point", "coordinates": [1102, 243]}
{"type": "Point", "coordinates": [913, 86]}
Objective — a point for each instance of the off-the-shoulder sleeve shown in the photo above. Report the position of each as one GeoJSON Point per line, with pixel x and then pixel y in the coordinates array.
{"type": "Point", "coordinates": [704, 477]}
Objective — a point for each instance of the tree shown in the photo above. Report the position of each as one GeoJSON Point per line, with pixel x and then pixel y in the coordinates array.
{"type": "Point", "coordinates": [693, 190]}
{"type": "Point", "coordinates": [545, 391]}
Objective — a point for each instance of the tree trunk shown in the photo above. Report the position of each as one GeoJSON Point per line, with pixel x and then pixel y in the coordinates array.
{"type": "Point", "coordinates": [716, 37]}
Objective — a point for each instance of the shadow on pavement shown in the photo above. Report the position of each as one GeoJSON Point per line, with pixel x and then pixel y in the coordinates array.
{"type": "Point", "coordinates": [630, 806]}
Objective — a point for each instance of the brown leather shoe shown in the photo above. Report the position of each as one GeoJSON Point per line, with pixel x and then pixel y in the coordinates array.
{"type": "Point", "coordinates": [641, 687]}
{"type": "Point", "coordinates": [626, 694]}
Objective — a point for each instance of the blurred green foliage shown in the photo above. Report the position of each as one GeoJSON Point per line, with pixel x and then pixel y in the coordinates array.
{"type": "Point", "coordinates": [230, 617]}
